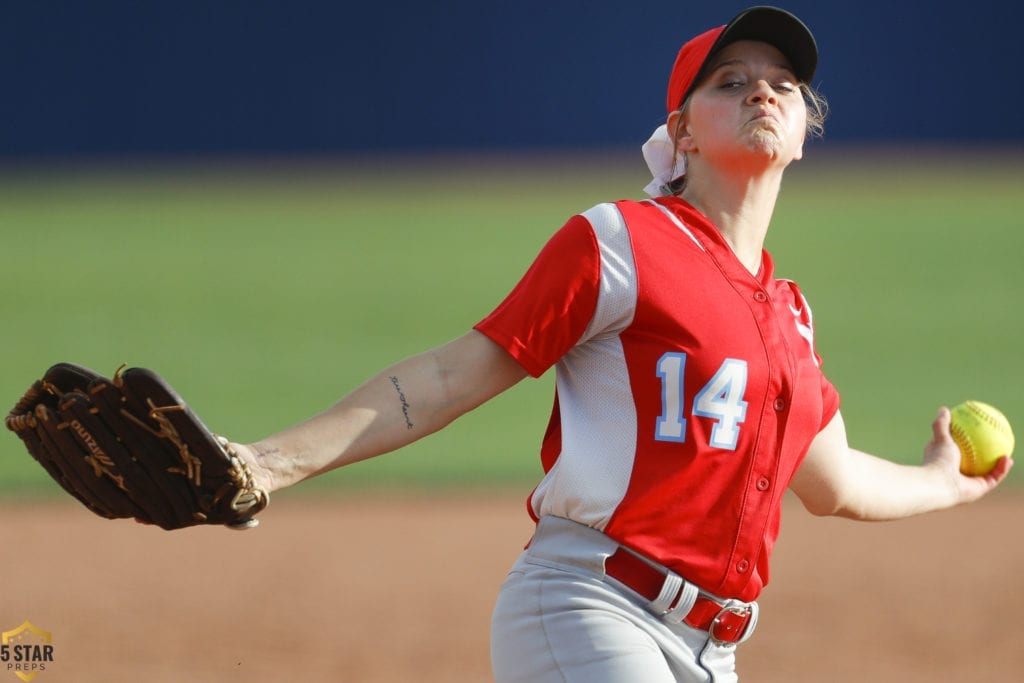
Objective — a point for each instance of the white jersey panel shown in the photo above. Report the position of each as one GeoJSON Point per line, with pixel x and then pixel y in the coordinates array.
{"type": "Point", "coordinates": [598, 419]}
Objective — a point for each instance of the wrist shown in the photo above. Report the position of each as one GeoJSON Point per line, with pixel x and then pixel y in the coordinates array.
{"type": "Point", "coordinates": [265, 464]}
{"type": "Point", "coordinates": [944, 480]}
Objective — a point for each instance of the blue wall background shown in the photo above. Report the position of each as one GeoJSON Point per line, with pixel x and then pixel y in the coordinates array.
{"type": "Point", "coordinates": [233, 76]}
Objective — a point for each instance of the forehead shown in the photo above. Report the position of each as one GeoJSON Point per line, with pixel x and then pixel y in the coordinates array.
{"type": "Point", "coordinates": [751, 52]}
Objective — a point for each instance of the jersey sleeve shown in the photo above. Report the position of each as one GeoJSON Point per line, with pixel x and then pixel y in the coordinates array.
{"type": "Point", "coordinates": [829, 401]}
{"type": "Point", "coordinates": [550, 308]}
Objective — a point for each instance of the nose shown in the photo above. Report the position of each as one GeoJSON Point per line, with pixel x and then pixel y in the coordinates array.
{"type": "Point", "coordinates": [761, 93]}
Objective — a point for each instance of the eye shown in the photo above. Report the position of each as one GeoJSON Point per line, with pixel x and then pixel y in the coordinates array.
{"type": "Point", "coordinates": [731, 82]}
{"type": "Point", "coordinates": [785, 87]}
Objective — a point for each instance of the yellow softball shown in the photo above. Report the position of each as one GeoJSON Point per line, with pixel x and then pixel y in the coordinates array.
{"type": "Point", "coordinates": [983, 435]}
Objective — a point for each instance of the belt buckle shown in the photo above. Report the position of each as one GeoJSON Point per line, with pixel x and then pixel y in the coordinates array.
{"type": "Point", "coordinates": [724, 629]}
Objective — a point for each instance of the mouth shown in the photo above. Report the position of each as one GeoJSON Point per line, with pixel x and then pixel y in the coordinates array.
{"type": "Point", "coordinates": [766, 122]}
{"type": "Point", "coordinates": [762, 115]}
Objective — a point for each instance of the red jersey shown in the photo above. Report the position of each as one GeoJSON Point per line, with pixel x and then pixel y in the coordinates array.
{"type": "Point", "coordinates": [687, 389]}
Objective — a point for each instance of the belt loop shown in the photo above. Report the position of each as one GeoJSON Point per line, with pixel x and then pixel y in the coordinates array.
{"type": "Point", "coordinates": [669, 591]}
{"type": "Point", "coordinates": [752, 624]}
{"type": "Point", "coordinates": [687, 598]}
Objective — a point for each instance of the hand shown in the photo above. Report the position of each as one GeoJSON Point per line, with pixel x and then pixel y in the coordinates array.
{"type": "Point", "coordinates": [251, 457]}
{"type": "Point", "coordinates": [943, 456]}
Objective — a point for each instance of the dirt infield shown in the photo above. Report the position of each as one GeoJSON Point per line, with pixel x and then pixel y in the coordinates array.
{"type": "Point", "coordinates": [387, 589]}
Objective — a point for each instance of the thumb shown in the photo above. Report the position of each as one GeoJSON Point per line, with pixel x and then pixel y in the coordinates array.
{"type": "Point", "coordinates": [940, 426]}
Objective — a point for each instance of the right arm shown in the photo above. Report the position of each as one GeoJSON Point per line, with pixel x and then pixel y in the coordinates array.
{"type": "Point", "coordinates": [547, 312]}
{"type": "Point", "coordinates": [402, 403]}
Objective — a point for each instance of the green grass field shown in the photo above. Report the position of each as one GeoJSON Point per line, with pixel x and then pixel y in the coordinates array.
{"type": "Point", "coordinates": [264, 292]}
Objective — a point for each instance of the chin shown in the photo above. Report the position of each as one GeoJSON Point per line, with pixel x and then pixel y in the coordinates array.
{"type": "Point", "coordinates": [766, 143]}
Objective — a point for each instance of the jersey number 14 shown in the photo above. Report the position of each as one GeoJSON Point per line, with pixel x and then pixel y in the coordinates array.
{"type": "Point", "coordinates": [720, 400]}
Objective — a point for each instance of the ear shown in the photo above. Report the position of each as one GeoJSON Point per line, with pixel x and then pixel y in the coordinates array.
{"type": "Point", "coordinates": [679, 129]}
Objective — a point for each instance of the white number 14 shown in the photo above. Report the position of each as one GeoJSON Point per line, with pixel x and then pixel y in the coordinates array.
{"type": "Point", "coordinates": [721, 399]}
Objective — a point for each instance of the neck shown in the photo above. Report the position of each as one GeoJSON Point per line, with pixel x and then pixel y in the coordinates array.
{"type": "Point", "coordinates": [740, 206]}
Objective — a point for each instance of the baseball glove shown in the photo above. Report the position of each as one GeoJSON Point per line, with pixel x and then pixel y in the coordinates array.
{"type": "Point", "coordinates": [129, 447]}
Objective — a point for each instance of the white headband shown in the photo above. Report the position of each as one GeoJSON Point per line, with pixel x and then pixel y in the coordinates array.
{"type": "Point", "coordinates": [665, 165]}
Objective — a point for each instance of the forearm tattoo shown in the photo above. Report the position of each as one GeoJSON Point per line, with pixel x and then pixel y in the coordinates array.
{"type": "Point", "coordinates": [401, 398]}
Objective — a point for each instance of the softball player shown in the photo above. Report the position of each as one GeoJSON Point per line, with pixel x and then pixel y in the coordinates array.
{"type": "Point", "coordinates": [689, 394]}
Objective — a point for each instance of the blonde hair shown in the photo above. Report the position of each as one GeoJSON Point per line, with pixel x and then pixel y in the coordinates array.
{"type": "Point", "coordinates": [817, 111]}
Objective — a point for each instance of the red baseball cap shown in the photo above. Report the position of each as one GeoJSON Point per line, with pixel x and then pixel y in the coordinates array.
{"type": "Point", "coordinates": [770, 25]}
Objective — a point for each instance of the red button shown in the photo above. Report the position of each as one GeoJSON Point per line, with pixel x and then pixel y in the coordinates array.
{"type": "Point", "coordinates": [779, 404]}
{"type": "Point", "coordinates": [763, 484]}
{"type": "Point", "coordinates": [760, 296]}
{"type": "Point", "coordinates": [742, 566]}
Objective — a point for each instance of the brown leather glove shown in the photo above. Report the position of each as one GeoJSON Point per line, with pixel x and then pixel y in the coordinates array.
{"type": "Point", "coordinates": [129, 447]}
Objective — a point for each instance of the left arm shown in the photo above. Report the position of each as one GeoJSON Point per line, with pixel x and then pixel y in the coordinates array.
{"type": "Point", "coordinates": [836, 479]}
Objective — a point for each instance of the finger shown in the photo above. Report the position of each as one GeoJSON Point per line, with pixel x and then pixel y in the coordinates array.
{"type": "Point", "coordinates": [1001, 470]}
{"type": "Point", "coordinates": [940, 426]}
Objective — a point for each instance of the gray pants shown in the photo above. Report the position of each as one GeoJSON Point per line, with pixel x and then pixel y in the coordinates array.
{"type": "Point", "coordinates": [559, 618]}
